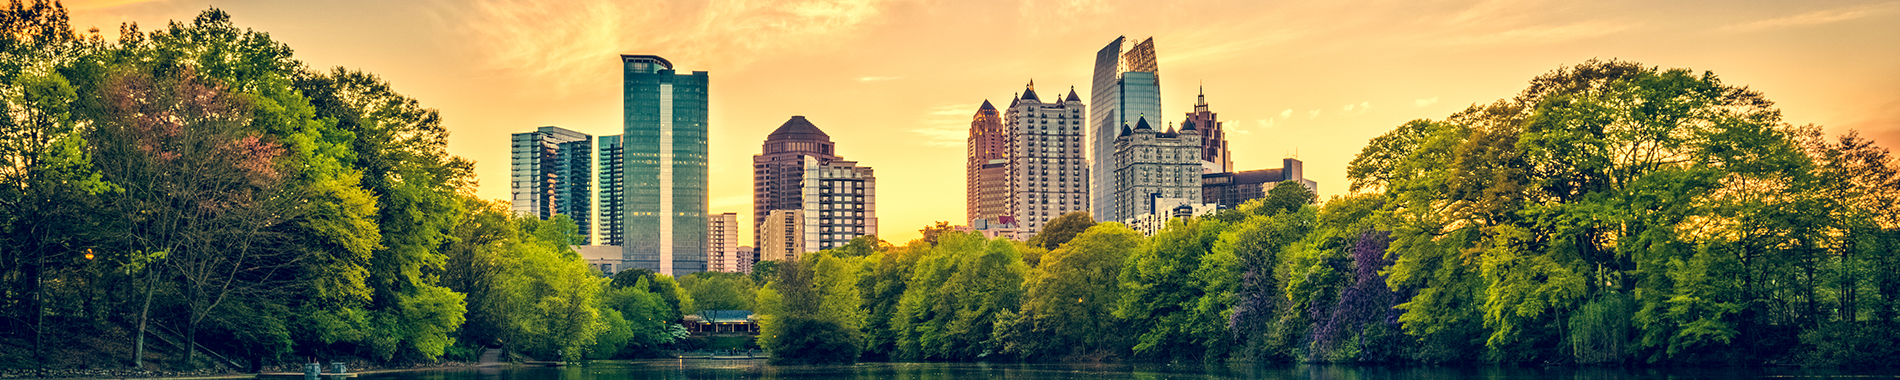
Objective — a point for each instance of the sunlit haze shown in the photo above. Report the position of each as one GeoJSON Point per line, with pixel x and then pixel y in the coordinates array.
{"type": "Point", "coordinates": [895, 82]}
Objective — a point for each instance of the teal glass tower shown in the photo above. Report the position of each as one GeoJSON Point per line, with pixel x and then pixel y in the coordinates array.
{"type": "Point", "coordinates": [663, 167]}
{"type": "Point", "coordinates": [1127, 89]}
{"type": "Point", "coordinates": [612, 200]}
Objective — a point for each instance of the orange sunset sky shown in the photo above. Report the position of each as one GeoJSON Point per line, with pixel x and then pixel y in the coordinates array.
{"type": "Point", "coordinates": [894, 82]}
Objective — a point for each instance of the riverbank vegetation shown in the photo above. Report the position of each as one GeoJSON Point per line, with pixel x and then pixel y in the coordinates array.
{"type": "Point", "coordinates": [193, 196]}
{"type": "Point", "coordinates": [1611, 213]}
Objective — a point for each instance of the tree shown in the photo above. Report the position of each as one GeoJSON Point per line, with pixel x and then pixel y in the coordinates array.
{"type": "Point", "coordinates": [1073, 294]}
{"type": "Point", "coordinates": [1061, 229]}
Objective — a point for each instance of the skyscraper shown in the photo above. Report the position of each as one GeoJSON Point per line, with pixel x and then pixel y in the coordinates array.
{"type": "Point", "coordinates": [778, 171]}
{"type": "Point", "coordinates": [1156, 168]}
{"type": "Point", "coordinates": [722, 242]}
{"type": "Point", "coordinates": [1127, 87]}
{"type": "Point", "coordinates": [663, 166]}
{"type": "Point", "coordinates": [1214, 155]}
{"type": "Point", "coordinates": [806, 198]}
{"type": "Point", "coordinates": [1047, 169]}
{"type": "Point", "coordinates": [613, 200]}
{"type": "Point", "coordinates": [551, 173]}
{"type": "Point", "coordinates": [987, 168]}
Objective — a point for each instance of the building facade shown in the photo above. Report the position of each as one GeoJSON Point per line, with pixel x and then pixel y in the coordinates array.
{"type": "Point", "coordinates": [778, 171]}
{"type": "Point", "coordinates": [746, 257]}
{"type": "Point", "coordinates": [781, 236]}
{"type": "Point", "coordinates": [722, 242]}
{"type": "Point", "coordinates": [805, 197]}
{"type": "Point", "coordinates": [663, 166]}
{"type": "Point", "coordinates": [1232, 189]}
{"type": "Point", "coordinates": [1215, 158]}
{"type": "Point", "coordinates": [611, 209]}
{"type": "Point", "coordinates": [1127, 87]}
{"type": "Point", "coordinates": [1156, 165]}
{"type": "Point", "coordinates": [551, 173]}
{"type": "Point", "coordinates": [840, 203]}
{"type": "Point", "coordinates": [1047, 166]}
{"type": "Point", "coordinates": [986, 169]}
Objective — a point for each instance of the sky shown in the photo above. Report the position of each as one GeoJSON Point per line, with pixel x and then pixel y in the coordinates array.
{"type": "Point", "coordinates": [895, 82]}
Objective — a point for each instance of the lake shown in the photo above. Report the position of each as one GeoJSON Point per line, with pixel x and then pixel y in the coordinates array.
{"type": "Point", "coordinates": [757, 369]}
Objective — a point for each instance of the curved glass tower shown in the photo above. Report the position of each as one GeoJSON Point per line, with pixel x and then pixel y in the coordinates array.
{"type": "Point", "coordinates": [1127, 87]}
{"type": "Point", "coordinates": [663, 167]}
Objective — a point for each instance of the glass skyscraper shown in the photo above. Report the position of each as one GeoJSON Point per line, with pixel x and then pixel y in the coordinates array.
{"type": "Point", "coordinates": [551, 173]}
{"type": "Point", "coordinates": [1127, 88]}
{"type": "Point", "coordinates": [612, 201]}
{"type": "Point", "coordinates": [663, 166]}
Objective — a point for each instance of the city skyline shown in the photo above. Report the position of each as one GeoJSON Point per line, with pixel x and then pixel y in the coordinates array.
{"type": "Point", "coordinates": [896, 77]}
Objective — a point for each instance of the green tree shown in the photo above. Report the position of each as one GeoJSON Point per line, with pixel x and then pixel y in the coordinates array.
{"type": "Point", "coordinates": [1061, 229]}
{"type": "Point", "coordinates": [1072, 296]}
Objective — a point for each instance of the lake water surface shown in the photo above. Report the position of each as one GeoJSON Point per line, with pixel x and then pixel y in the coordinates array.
{"type": "Point", "coordinates": [757, 369]}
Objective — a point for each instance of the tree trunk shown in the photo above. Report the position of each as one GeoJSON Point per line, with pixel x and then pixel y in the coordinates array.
{"type": "Point", "coordinates": [138, 349]}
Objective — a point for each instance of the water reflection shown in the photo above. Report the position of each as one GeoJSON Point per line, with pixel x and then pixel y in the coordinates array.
{"type": "Point", "coordinates": [757, 369]}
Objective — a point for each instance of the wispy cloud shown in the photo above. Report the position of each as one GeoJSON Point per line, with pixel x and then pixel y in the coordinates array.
{"type": "Point", "coordinates": [877, 79]}
{"type": "Point", "coordinates": [946, 125]}
{"type": "Point", "coordinates": [572, 42]}
{"type": "Point", "coordinates": [1815, 17]}
{"type": "Point", "coordinates": [1287, 113]}
{"type": "Point", "coordinates": [1312, 114]}
{"type": "Point", "coordinates": [1424, 101]}
{"type": "Point", "coordinates": [1542, 34]}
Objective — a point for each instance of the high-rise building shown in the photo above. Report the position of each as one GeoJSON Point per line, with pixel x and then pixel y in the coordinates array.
{"type": "Point", "coordinates": [1048, 173]}
{"type": "Point", "coordinates": [1156, 168]}
{"type": "Point", "coordinates": [612, 208]}
{"type": "Point", "coordinates": [722, 242]}
{"type": "Point", "coordinates": [663, 166]}
{"type": "Point", "coordinates": [1232, 189]}
{"type": "Point", "coordinates": [746, 257]}
{"type": "Point", "coordinates": [1127, 87]}
{"type": "Point", "coordinates": [778, 171]}
{"type": "Point", "coordinates": [987, 169]}
{"type": "Point", "coordinates": [1214, 155]}
{"type": "Point", "coordinates": [840, 203]}
{"type": "Point", "coordinates": [551, 173]}
{"type": "Point", "coordinates": [781, 235]}
{"type": "Point", "coordinates": [798, 170]}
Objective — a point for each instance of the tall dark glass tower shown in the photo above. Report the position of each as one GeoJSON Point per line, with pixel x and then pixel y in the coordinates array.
{"type": "Point", "coordinates": [1127, 88]}
{"type": "Point", "coordinates": [663, 166]}
{"type": "Point", "coordinates": [612, 200]}
{"type": "Point", "coordinates": [551, 173]}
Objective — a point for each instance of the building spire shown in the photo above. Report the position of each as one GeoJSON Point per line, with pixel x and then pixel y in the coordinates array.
{"type": "Point", "coordinates": [1200, 101]}
{"type": "Point", "coordinates": [1029, 93]}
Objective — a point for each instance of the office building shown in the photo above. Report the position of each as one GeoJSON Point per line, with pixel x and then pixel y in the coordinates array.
{"type": "Point", "coordinates": [1156, 168]}
{"type": "Point", "coordinates": [830, 200]}
{"type": "Point", "coordinates": [746, 257]}
{"type": "Point", "coordinates": [1047, 168]}
{"type": "Point", "coordinates": [722, 242]}
{"type": "Point", "coordinates": [781, 235]}
{"type": "Point", "coordinates": [663, 166]}
{"type": "Point", "coordinates": [986, 171]}
{"type": "Point", "coordinates": [778, 171]}
{"type": "Point", "coordinates": [551, 173]}
{"type": "Point", "coordinates": [1214, 155]}
{"type": "Point", "coordinates": [612, 201]}
{"type": "Point", "coordinates": [1127, 87]}
{"type": "Point", "coordinates": [1232, 189]}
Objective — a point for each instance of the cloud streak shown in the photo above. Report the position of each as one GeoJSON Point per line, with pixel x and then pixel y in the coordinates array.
{"type": "Point", "coordinates": [946, 126]}
{"type": "Point", "coordinates": [573, 42]}
{"type": "Point", "coordinates": [1815, 18]}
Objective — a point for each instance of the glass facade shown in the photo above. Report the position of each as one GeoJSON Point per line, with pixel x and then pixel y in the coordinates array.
{"type": "Point", "coordinates": [612, 199]}
{"type": "Point", "coordinates": [551, 173]}
{"type": "Point", "coordinates": [1127, 88]}
{"type": "Point", "coordinates": [663, 166]}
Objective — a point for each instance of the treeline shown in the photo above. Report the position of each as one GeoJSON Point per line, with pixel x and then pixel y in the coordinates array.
{"type": "Point", "coordinates": [1611, 213]}
{"type": "Point", "coordinates": [195, 196]}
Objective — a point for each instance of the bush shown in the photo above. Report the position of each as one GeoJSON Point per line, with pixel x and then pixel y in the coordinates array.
{"type": "Point", "coordinates": [1846, 344]}
{"type": "Point", "coordinates": [815, 341]}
